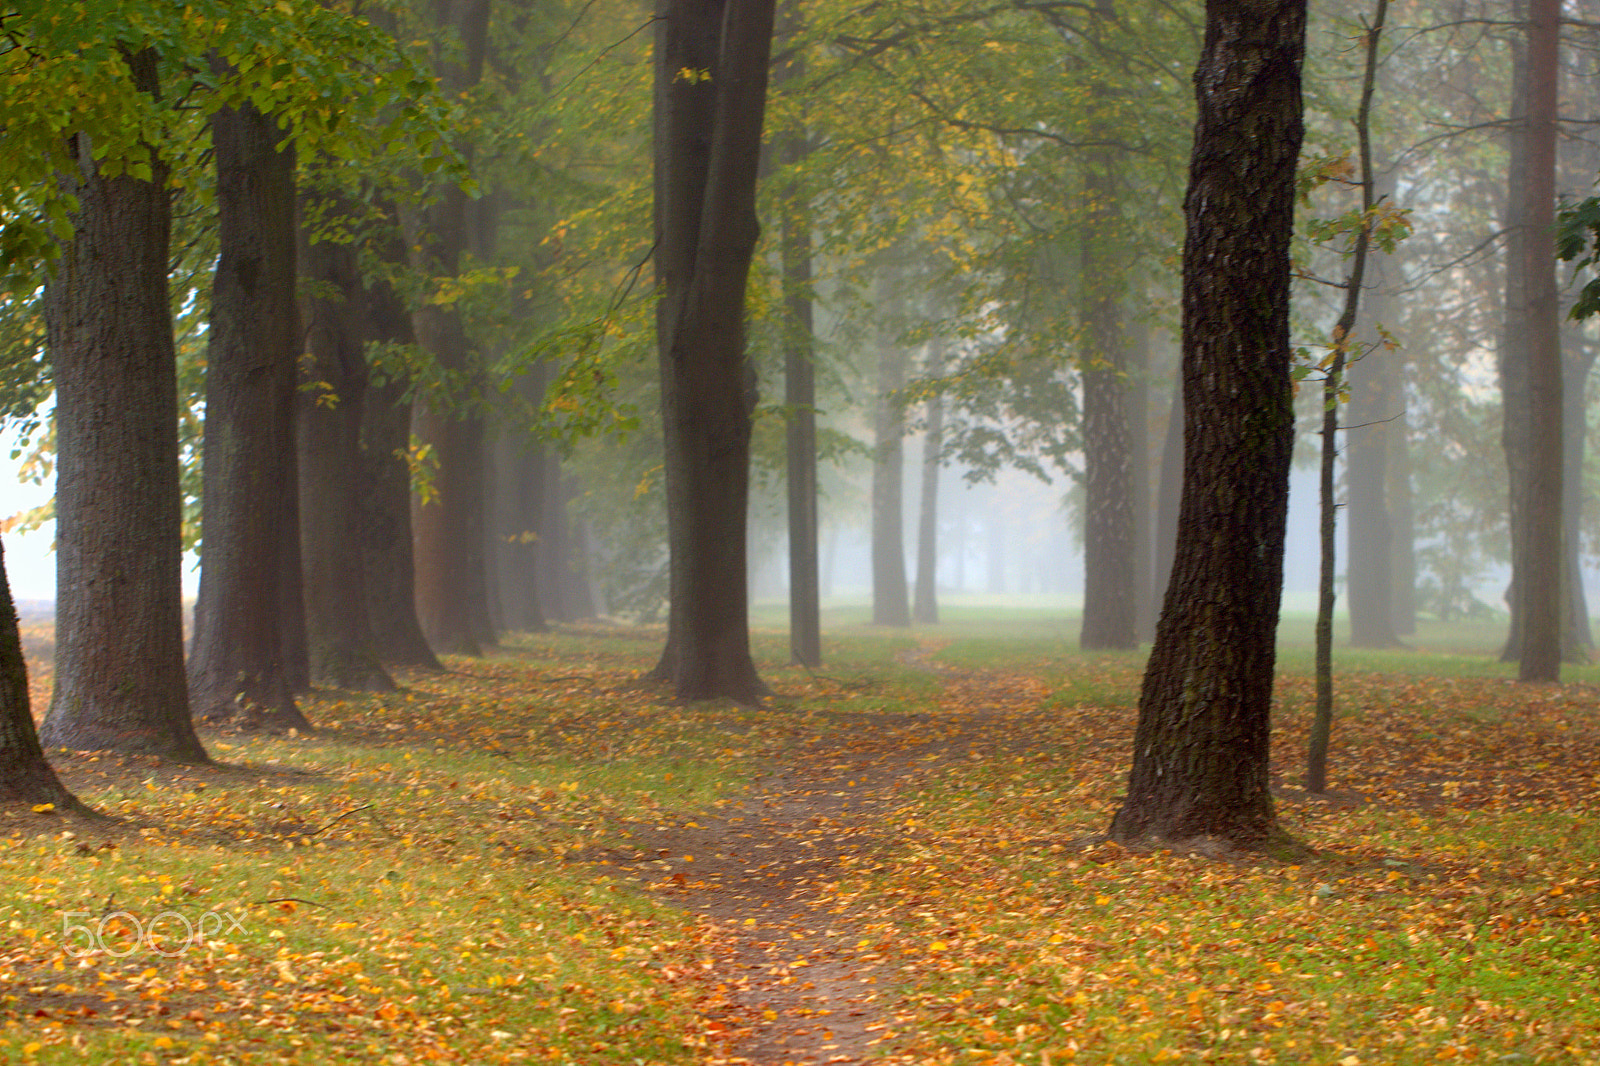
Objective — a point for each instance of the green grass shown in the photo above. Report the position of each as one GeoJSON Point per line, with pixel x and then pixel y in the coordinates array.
{"type": "Point", "coordinates": [403, 879]}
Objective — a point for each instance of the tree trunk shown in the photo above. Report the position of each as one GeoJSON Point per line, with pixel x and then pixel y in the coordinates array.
{"type": "Point", "coordinates": [1344, 332]}
{"type": "Point", "coordinates": [448, 525]}
{"type": "Point", "coordinates": [519, 512]}
{"type": "Point", "coordinates": [707, 150]}
{"type": "Point", "coordinates": [1202, 745]}
{"type": "Point", "coordinates": [925, 603]}
{"type": "Point", "coordinates": [891, 604]}
{"type": "Point", "coordinates": [236, 663]}
{"type": "Point", "coordinates": [1538, 563]}
{"type": "Point", "coordinates": [1168, 496]}
{"type": "Point", "coordinates": [1578, 359]}
{"type": "Point", "coordinates": [341, 650]}
{"type": "Point", "coordinates": [1136, 395]}
{"type": "Point", "coordinates": [25, 777]}
{"type": "Point", "coordinates": [1403, 557]}
{"type": "Point", "coordinates": [1108, 587]}
{"type": "Point", "coordinates": [1375, 399]}
{"type": "Point", "coordinates": [800, 397]}
{"type": "Point", "coordinates": [119, 681]}
{"type": "Point", "coordinates": [291, 574]}
{"type": "Point", "coordinates": [386, 539]}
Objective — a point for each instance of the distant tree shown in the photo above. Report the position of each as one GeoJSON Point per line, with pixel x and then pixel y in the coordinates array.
{"type": "Point", "coordinates": [1109, 596]}
{"type": "Point", "coordinates": [891, 604]}
{"type": "Point", "coordinates": [342, 652]}
{"type": "Point", "coordinates": [1202, 744]}
{"type": "Point", "coordinates": [925, 599]}
{"type": "Point", "coordinates": [25, 776]}
{"type": "Point", "coordinates": [119, 681]}
{"type": "Point", "coordinates": [237, 658]}
{"type": "Point", "coordinates": [711, 63]}
{"type": "Point", "coordinates": [1537, 554]}
{"type": "Point", "coordinates": [386, 481]}
{"type": "Point", "coordinates": [795, 251]}
{"type": "Point", "coordinates": [448, 524]}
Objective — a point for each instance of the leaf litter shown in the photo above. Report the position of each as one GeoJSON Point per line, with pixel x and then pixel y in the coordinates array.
{"type": "Point", "coordinates": [534, 859]}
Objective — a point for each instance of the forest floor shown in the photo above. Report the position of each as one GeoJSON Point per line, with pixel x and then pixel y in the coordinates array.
{"type": "Point", "coordinates": [534, 858]}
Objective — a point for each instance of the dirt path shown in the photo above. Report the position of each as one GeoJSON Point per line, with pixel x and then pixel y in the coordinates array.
{"type": "Point", "coordinates": [798, 981]}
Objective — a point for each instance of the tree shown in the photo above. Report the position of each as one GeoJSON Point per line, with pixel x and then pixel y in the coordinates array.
{"type": "Point", "coordinates": [1202, 744]}
{"type": "Point", "coordinates": [799, 379]}
{"type": "Point", "coordinates": [891, 605]}
{"type": "Point", "coordinates": [925, 601]}
{"type": "Point", "coordinates": [1537, 554]}
{"type": "Point", "coordinates": [237, 658]}
{"type": "Point", "coordinates": [711, 64]}
{"type": "Point", "coordinates": [386, 476]}
{"type": "Point", "coordinates": [119, 681]}
{"type": "Point", "coordinates": [447, 525]}
{"type": "Point", "coordinates": [342, 651]}
{"type": "Point", "coordinates": [1332, 385]}
{"type": "Point", "coordinates": [25, 776]}
{"type": "Point", "coordinates": [1109, 599]}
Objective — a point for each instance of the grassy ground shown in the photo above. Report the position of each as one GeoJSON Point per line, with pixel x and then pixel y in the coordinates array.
{"type": "Point", "coordinates": [533, 858]}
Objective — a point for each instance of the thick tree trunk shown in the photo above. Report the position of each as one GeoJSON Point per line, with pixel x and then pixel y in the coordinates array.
{"type": "Point", "coordinates": [1108, 588]}
{"type": "Point", "coordinates": [1202, 745]}
{"type": "Point", "coordinates": [25, 777]}
{"type": "Point", "coordinates": [1538, 563]}
{"type": "Point", "coordinates": [236, 664]}
{"type": "Point", "coordinates": [448, 526]}
{"type": "Point", "coordinates": [119, 681]}
{"type": "Point", "coordinates": [341, 650]}
{"type": "Point", "coordinates": [891, 604]}
{"type": "Point", "coordinates": [386, 539]}
{"type": "Point", "coordinates": [707, 149]}
{"type": "Point", "coordinates": [443, 523]}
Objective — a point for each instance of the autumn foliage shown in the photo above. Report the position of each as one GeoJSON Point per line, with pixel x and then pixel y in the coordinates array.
{"type": "Point", "coordinates": [536, 859]}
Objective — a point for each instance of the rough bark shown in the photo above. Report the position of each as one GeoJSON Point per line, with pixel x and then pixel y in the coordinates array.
{"type": "Point", "coordinates": [891, 604]}
{"type": "Point", "coordinates": [236, 662]}
{"type": "Point", "coordinates": [25, 777]}
{"type": "Point", "coordinates": [1202, 743]}
{"type": "Point", "coordinates": [707, 149]}
{"type": "Point", "coordinates": [119, 681]}
{"type": "Point", "coordinates": [341, 650]}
